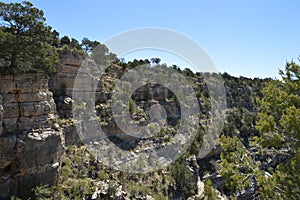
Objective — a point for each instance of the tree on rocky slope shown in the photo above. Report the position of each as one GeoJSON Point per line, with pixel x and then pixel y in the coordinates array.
{"type": "Point", "coordinates": [270, 164]}
{"type": "Point", "coordinates": [25, 39]}
{"type": "Point", "coordinates": [279, 124]}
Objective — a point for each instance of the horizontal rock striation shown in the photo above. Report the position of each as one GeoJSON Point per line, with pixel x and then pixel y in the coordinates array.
{"type": "Point", "coordinates": [30, 149]}
{"type": "Point", "coordinates": [25, 103]}
{"type": "Point", "coordinates": [62, 83]}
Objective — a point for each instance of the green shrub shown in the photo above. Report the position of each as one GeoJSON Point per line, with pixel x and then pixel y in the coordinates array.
{"type": "Point", "coordinates": [102, 175]}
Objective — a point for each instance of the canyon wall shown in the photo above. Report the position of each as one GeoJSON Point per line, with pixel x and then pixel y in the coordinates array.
{"type": "Point", "coordinates": [30, 146]}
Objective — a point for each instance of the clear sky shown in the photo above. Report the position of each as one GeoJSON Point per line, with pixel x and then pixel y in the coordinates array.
{"type": "Point", "coordinates": [249, 38]}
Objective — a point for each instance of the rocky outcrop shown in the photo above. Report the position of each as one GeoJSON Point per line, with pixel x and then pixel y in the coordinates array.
{"type": "Point", "coordinates": [26, 103]}
{"type": "Point", "coordinates": [30, 149]}
{"type": "Point", "coordinates": [62, 83]}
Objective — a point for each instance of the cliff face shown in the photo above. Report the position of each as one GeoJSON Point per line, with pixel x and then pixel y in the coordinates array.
{"type": "Point", "coordinates": [30, 149]}
{"type": "Point", "coordinates": [61, 83]}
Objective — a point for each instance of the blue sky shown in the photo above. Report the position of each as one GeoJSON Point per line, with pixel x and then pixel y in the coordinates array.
{"type": "Point", "coordinates": [248, 38]}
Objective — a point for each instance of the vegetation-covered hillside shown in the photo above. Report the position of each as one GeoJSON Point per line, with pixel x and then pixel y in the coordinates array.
{"type": "Point", "coordinates": [257, 156]}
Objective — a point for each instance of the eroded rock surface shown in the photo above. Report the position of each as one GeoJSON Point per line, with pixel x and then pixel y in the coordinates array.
{"type": "Point", "coordinates": [62, 83]}
{"type": "Point", "coordinates": [30, 149]}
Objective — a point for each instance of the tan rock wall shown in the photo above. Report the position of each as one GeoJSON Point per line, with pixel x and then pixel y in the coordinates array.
{"type": "Point", "coordinates": [30, 150]}
{"type": "Point", "coordinates": [25, 103]}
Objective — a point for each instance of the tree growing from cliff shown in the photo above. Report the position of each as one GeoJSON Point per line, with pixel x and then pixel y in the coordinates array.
{"type": "Point", "coordinates": [25, 39]}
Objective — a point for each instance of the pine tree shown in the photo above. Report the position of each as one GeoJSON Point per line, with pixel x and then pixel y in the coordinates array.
{"type": "Point", "coordinates": [279, 124]}
{"type": "Point", "coordinates": [270, 163]}
{"type": "Point", "coordinates": [27, 43]}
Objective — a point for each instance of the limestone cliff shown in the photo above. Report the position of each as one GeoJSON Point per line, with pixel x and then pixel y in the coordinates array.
{"type": "Point", "coordinates": [30, 149]}
{"type": "Point", "coordinates": [61, 83]}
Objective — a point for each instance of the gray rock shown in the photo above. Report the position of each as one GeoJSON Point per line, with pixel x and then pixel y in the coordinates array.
{"type": "Point", "coordinates": [7, 145]}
